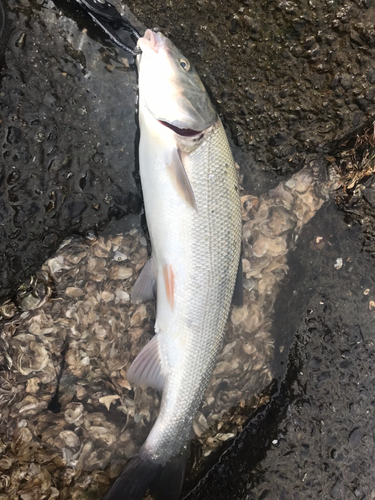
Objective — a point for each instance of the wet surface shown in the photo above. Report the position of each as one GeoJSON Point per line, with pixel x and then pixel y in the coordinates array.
{"type": "Point", "coordinates": [289, 79]}
{"type": "Point", "coordinates": [67, 159]}
{"type": "Point", "coordinates": [314, 440]}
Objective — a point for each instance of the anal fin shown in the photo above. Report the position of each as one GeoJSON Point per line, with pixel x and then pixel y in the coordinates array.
{"type": "Point", "coordinates": [146, 369]}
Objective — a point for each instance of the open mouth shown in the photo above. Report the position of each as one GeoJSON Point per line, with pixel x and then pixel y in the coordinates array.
{"type": "Point", "coordinates": [152, 40]}
{"type": "Point", "coordinates": [184, 132]}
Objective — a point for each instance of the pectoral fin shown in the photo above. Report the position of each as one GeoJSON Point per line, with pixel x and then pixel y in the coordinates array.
{"type": "Point", "coordinates": [145, 286]}
{"type": "Point", "coordinates": [146, 369]}
{"type": "Point", "coordinates": [179, 178]}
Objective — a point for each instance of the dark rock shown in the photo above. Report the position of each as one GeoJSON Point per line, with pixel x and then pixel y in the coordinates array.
{"type": "Point", "coordinates": [355, 37]}
{"type": "Point", "coordinates": [251, 96]}
{"type": "Point", "coordinates": [315, 363]}
{"type": "Point", "coordinates": [75, 208]}
{"type": "Point", "coordinates": [278, 139]}
{"type": "Point", "coordinates": [14, 135]}
{"type": "Point", "coordinates": [116, 212]}
{"type": "Point", "coordinates": [371, 75]}
{"type": "Point", "coordinates": [369, 195]}
{"type": "Point", "coordinates": [264, 495]}
{"type": "Point", "coordinates": [356, 335]}
{"type": "Point", "coordinates": [322, 378]}
{"type": "Point", "coordinates": [49, 240]}
{"type": "Point", "coordinates": [355, 437]}
{"type": "Point", "coordinates": [346, 81]}
{"type": "Point", "coordinates": [345, 364]}
{"type": "Point", "coordinates": [234, 26]}
{"type": "Point", "coordinates": [362, 103]}
{"type": "Point", "coordinates": [337, 490]}
{"type": "Point", "coordinates": [370, 94]}
{"type": "Point", "coordinates": [357, 118]}
{"type": "Point", "coordinates": [309, 42]}
{"type": "Point", "coordinates": [333, 453]}
{"type": "Point", "coordinates": [305, 448]}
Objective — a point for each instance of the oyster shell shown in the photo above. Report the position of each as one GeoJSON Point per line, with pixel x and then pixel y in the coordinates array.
{"type": "Point", "coordinates": [70, 419]}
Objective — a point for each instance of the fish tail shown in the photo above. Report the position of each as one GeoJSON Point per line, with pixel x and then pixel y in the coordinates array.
{"type": "Point", "coordinates": [135, 479]}
{"type": "Point", "coordinates": [143, 473]}
{"type": "Point", "coordinates": [167, 484]}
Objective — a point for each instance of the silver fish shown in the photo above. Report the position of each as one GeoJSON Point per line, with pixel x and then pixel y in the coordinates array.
{"type": "Point", "coordinates": [192, 204]}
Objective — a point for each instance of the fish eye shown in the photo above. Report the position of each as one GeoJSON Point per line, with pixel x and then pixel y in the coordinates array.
{"type": "Point", "coordinates": [184, 63]}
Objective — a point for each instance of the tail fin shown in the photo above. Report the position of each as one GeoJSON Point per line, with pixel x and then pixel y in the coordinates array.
{"type": "Point", "coordinates": [142, 473]}
{"type": "Point", "coordinates": [168, 484]}
{"type": "Point", "coordinates": [134, 480]}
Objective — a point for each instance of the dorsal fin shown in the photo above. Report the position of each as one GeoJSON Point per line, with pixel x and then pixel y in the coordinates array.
{"type": "Point", "coordinates": [146, 369]}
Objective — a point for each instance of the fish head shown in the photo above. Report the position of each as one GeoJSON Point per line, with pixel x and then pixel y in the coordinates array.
{"type": "Point", "coordinates": [170, 88]}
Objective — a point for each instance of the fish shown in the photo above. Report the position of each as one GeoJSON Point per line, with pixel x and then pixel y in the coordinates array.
{"type": "Point", "coordinates": [192, 206]}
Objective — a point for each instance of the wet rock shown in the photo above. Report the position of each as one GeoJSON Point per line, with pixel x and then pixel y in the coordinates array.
{"type": "Point", "coordinates": [279, 139]}
{"type": "Point", "coordinates": [337, 490]}
{"type": "Point", "coordinates": [322, 378]}
{"type": "Point", "coordinates": [356, 335]}
{"type": "Point", "coordinates": [370, 94]}
{"type": "Point", "coordinates": [234, 26]}
{"type": "Point", "coordinates": [355, 437]}
{"type": "Point", "coordinates": [315, 362]}
{"type": "Point", "coordinates": [75, 208]}
{"type": "Point", "coordinates": [50, 240]}
{"type": "Point", "coordinates": [356, 38]}
{"type": "Point", "coordinates": [14, 135]}
{"type": "Point", "coordinates": [266, 115]}
{"type": "Point", "coordinates": [369, 195]}
{"type": "Point", "coordinates": [362, 103]}
{"type": "Point", "coordinates": [371, 75]}
{"type": "Point", "coordinates": [345, 81]}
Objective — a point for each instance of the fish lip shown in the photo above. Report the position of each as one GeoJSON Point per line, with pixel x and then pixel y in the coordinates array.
{"type": "Point", "coordinates": [183, 132]}
{"type": "Point", "coordinates": [153, 40]}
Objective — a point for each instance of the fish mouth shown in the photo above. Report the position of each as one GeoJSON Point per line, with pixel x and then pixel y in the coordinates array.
{"type": "Point", "coordinates": [184, 132]}
{"type": "Point", "coordinates": [153, 40]}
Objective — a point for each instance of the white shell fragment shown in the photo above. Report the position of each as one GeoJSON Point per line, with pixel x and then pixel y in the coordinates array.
{"type": "Point", "coordinates": [84, 336]}
{"type": "Point", "coordinates": [108, 400]}
{"type": "Point", "coordinates": [338, 263]}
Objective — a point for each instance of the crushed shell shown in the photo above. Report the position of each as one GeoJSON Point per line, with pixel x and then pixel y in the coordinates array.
{"type": "Point", "coordinates": [73, 327]}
